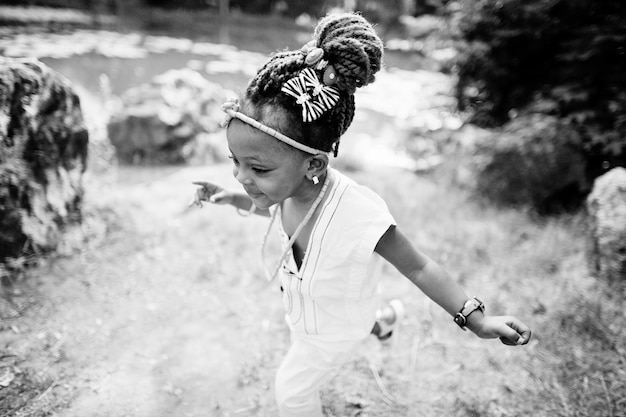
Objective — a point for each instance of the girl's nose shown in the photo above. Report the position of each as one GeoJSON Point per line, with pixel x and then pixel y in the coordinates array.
{"type": "Point", "coordinates": [240, 176]}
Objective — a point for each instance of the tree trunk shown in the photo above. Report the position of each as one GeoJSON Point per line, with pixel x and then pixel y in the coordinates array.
{"type": "Point", "coordinates": [224, 7]}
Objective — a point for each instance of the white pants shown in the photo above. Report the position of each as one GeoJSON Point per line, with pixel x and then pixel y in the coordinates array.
{"type": "Point", "coordinates": [309, 363]}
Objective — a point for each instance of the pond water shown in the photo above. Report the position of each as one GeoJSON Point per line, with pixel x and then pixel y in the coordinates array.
{"type": "Point", "coordinates": [104, 63]}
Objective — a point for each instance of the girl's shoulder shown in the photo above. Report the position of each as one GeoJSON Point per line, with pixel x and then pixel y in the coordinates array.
{"type": "Point", "coordinates": [357, 201]}
{"type": "Point", "coordinates": [356, 193]}
{"type": "Point", "coordinates": [357, 217]}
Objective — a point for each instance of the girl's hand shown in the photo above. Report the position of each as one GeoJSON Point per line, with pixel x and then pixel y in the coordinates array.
{"type": "Point", "coordinates": [212, 193]}
{"type": "Point", "coordinates": [510, 330]}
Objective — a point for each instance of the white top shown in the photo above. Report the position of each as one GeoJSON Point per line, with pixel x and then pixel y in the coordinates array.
{"type": "Point", "coordinates": [333, 294]}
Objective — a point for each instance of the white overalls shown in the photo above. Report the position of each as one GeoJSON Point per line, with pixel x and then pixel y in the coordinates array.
{"type": "Point", "coordinates": [330, 302]}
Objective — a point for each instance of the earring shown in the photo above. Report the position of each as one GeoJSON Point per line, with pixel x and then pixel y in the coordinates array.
{"type": "Point", "coordinates": [315, 180]}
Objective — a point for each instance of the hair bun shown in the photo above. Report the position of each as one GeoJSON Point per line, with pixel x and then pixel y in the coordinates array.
{"type": "Point", "coordinates": [352, 46]}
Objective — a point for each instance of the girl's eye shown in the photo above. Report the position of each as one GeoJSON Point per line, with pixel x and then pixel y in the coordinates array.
{"type": "Point", "coordinates": [235, 161]}
{"type": "Point", "coordinates": [260, 170]}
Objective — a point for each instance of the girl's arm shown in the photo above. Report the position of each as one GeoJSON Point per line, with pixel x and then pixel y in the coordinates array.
{"type": "Point", "coordinates": [441, 288]}
{"type": "Point", "coordinates": [217, 195]}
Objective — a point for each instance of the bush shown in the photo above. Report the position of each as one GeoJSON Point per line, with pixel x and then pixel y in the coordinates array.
{"type": "Point", "coordinates": [560, 57]}
{"type": "Point", "coordinates": [533, 163]}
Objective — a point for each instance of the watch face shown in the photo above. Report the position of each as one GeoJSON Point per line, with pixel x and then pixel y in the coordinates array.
{"type": "Point", "coordinates": [472, 305]}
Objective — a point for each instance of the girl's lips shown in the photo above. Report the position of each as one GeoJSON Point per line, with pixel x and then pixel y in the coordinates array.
{"type": "Point", "coordinates": [253, 194]}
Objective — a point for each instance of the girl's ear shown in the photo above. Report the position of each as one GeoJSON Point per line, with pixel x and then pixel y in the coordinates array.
{"type": "Point", "coordinates": [317, 165]}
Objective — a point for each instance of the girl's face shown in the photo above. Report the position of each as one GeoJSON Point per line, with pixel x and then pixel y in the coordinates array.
{"type": "Point", "coordinates": [268, 172]}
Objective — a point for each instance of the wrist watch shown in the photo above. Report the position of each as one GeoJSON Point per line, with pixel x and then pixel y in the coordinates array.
{"type": "Point", "coordinates": [469, 307]}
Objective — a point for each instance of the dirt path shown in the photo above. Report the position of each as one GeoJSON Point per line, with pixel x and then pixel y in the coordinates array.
{"type": "Point", "coordinates": [170, 316]}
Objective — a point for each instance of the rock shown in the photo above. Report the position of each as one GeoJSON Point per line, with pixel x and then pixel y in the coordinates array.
{"type": "Point", "coordinates": [43, 153]}
{"type": "Point", "coordinates": [606, 206]}
{"type": "Point", "coordinates": [158, 120]}
{"type": "Point", "coordinates": [533, 162]}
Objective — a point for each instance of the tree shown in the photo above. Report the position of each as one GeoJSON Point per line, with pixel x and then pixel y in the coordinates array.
{"type": "Point", "coordinates": [560, 57]}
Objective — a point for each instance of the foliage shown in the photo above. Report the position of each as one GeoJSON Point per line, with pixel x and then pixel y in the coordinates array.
{"type": "Point", "coordinates": [559, 57]}
{"type": "Point", "coordinates": [532, 162]}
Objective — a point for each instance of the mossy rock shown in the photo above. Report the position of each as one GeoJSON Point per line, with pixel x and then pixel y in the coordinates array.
{"type": "Point", "coordinates": [43, 153]}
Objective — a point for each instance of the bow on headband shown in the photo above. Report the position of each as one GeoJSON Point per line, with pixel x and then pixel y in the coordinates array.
{"type": "Point", "coordinates": [230, 107]}
{"type": "Point", "coordinates": [314, 97]}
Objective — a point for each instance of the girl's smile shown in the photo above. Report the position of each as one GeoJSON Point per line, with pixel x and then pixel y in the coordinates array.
{"type": "Point", "coordinates": [268, 170]}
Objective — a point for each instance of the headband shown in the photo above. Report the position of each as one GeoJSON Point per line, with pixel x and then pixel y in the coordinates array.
{"type": "Point", "coordinates": [314, 95]}
{"type": "Point", "coordinates": [231, 108]}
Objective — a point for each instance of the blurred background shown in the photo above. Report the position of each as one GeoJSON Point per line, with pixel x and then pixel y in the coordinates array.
{"type": "Point", "coordinates": [496, 133]}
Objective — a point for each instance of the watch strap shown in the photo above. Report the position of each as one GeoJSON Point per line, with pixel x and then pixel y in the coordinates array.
{"type": "Point", "coordinates": [468, 308]}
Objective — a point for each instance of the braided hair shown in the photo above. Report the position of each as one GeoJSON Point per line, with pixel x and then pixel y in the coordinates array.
{"type": "Point", "coordinates": [354, 50]}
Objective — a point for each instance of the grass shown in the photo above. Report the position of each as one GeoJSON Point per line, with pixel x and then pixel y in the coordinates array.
{"type": "Point", "coordinates": [586, 353]}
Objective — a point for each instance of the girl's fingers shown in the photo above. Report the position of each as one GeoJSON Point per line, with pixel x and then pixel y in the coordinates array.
{"type": "Point", "coordinates": [206, 190]}
{"type": "Point", "coordinates": [196, 201]}
{"type": "Point", "coordinates": [523, 330]}
{"type": "Point", "coordinates": [524, 337]}
{"type": "Point", "coordinates": [218, 197]}
{"type": "Point", "coordinates": [509, 336]}
{"type": "Point", "coordinates": [206, 186]}
{"type": "Point", "coordinates": [516, 332]}
{"type": "Point", "coordinates": [507, 341]}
